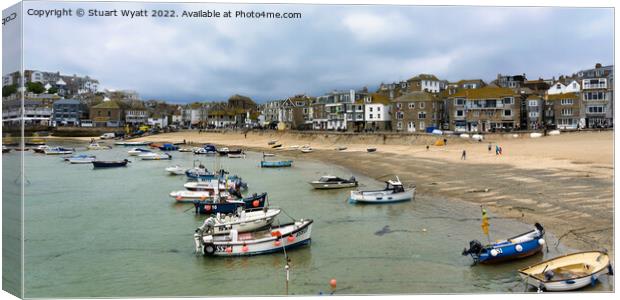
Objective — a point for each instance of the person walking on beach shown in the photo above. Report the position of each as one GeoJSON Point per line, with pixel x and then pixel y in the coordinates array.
{"type": "Point", "coordinates": [426, 147]}
{"type": "Point", "coordinates": [464, 155]}
{"type": "Point", "coordinates": [500, 150]}
{"type": "Point", "coordinates": [496, 149]}
{"type": "Point", "coordinates": [489, 147]}
{"type": "Point", "coordinates": [445, 142]}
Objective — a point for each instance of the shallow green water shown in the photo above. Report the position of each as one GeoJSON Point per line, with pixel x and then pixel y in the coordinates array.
{"type": "Point", "coordinates": [115, 232]}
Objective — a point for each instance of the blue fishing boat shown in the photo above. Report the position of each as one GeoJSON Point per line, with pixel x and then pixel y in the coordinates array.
{"type": "Point", "coordinates": [519, 246]}
{"type": "Point", "coordinates": [168, 147]}
{"type": "Point", "coordinates": [208, 207]}
{"type": "Point", "coordinates": [276, 164]}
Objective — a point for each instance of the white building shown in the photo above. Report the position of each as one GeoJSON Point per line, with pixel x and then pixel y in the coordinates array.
{"type": "Point", "coordinates": [377, 112]}
{"type": "Point", "coordinates": [560, 88]}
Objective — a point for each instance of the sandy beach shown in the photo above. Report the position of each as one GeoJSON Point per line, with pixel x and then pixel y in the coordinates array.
{"type": "Point", "coordinates": [564, 182]}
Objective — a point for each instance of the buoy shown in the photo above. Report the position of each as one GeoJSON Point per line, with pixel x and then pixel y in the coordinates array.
{"type": "Point", "coordinates": [255, 203]}
{"type": "Point", "coordinates": [290, 238]}
{"type": "Point", "coordinates": [332, 283]}
{"type": "Point", "coordinates": [207, 207]}
{"type": "Point", "coordinates": [541, 242]}
{"type": "Point", "coordinates": [277, 243]}
{"type": "Point", "coordinates": [519, 248]}
{"type": "Point", "coordinates": [423, 229]}
{"type": "Point", "coordinates": [229, 249]}
{"type": "Point", "coordinates": [494, 252]}
{"type": "Point", "coordinates": [179, 198]}
{"type": "Point", "coordinates": [244, 248]}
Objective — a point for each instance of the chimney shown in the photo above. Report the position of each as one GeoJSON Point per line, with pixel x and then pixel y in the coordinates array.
{"type": "Point", "coordinates": [598, 65]}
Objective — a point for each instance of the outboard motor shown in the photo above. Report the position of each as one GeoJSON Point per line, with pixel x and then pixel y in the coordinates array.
{"type": "Point", "coordinates": [540, 228]}
{"type": "Point", "coordinates": [475, 247]}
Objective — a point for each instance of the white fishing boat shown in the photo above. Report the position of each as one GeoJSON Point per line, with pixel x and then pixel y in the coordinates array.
{"type": "Point", "coordinates": [306, 149]}
{"type": "Point", "coordinates": [155, 156]}
{"type": "Point", "coordinates": [268, 154]}
{"type": "Point", "coordinates": [191, 196]}
{"type": "Point", "coordinates": [333, 182]}
{"type": "Point", "coordinates": [138, 151]}
{"type": "Point", "coordinates": [568, 272]}
{"type": "Point", "coordinates": [57, 151]}
{"type": "Point", "coordinates": [97, 146]}
{"type": "Point", "coordinates": [186, 150]}
{"type": "Point", "coordinates": [393, 192]}
{"type": "Point", "coordinates": [242, 221]}
{"type": "Point", "coordinates": [294, 146]}
{"type": "Point", "coordinates": [274, 239]}
{"type": "Point", "coordinates": [176, 170]}
{"type": "Point", "coordinates": [236, 155]}
{"type": "Point", "coordinates": [41, 148]}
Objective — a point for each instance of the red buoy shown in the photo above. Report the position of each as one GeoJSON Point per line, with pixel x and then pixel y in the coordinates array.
{"type": "Point", "coordinates": [277, 243]}
{"type": "Point", "coordinates": [255, 203]}
{"type": "Point", "coordinates": [229, 249]}
{"type": "Point", "coordinates": [207, 207]}
{"type": "Point", "coordinates": [290, 238]}
{"type": "Point", "coordinates": [332, 283]}
{"type": "Point", "coordinates": [244, 248]}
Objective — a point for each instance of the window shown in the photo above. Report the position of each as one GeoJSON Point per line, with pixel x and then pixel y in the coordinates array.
{"type": "Point", "coordinates": [459, 101]}
{"type": "Point", "coordinates": [378, 116]}
{"type": "Point", "coordinates": [460, 113]}
{"type": "Point", "coordinates": [378, 108]}
{"type": "Point", "coordinates": [433, 105]}
{"type": "Point", "coordinates": [490, 113]}
{"type": "Point", "coordinates": [399, 105]}
{"type": "Point", "coordinates": [411, 105]}
{"type": "Point", "coordinates": [533, 114]}
{"type": "Point", "coordinates": [399, 125]}
{"type": "Point", "coordinates": [422, 105]}
{"type": "Point", "coordinates": [596, 109]}
{"type": "Point", "coordinates": [370, 109]}
{"type": "Point", "coordinates": [507, 100]}
{"type": "Point", "coordinates": [399, 115]}
{"type": "Point", "coordinates": [422, 115]}
{"type": "Point", "coordinates": [567, 111]}
{"type": "Point", "coordinates": [566, 101]}
{"type": "Point", "coordinates": [422, 125]}
{"type": "Point", "coordinates": [532, 103]}
{"type": "Point", "coordinates": [507, 112]}
{"type": "Point", "coordinates": [476, 113]}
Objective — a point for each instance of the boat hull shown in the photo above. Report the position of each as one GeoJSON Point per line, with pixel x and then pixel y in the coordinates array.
{"type": "Point", "coordinates": [329, 186]}
{"type": "Point", "coordinates": [509, 252]}
{"type": "Point", "coordinates": [103, 164]}
{"type": "Point", "coordinates": [276, 164]}
{"type": "Point", "coordinates": [208, 207]}
{"type": "Point", "coordinates": [381, 198]}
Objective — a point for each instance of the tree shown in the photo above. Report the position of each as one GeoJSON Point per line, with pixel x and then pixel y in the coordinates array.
{"type": "Point", "coordinates": [35, 87]}
{"type": "Point", "coordinates": [9, 90]}
{"type": "Point", "coordinates": [53, 90]}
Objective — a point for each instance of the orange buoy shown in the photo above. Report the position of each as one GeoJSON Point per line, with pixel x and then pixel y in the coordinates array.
{"type": "Point", "coordinates": [290, 238]}
{"type": "Point", "coordinates": [207, 207]}
{"type": "Point", "coordinates": [244, 248]}
{"type": "Point", "coordinates": [332, 283]}
{"type": "Point", "coordinates": [229, 249]}
{"type": "Point", "coordinates": [255, 203]}
{"type": "Point", "coordinates": [277, 243]}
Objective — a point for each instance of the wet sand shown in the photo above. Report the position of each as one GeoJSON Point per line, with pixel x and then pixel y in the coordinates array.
{"type": "Point", "coordinates": [565, 182]}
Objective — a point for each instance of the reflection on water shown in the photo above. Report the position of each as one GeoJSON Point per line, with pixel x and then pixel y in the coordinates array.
{"type": "Point", "coordinates": [115, 232]}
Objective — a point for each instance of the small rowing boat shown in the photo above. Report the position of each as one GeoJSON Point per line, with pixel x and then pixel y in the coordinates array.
{"type": "Point", "coordinates": [393, 192]}
{"type": "Point", "coordinates": [371, 149]}
{"type": "Point", "coordinates": [342, 148]}
{"type": "Point", "coordinates": [138, 151]}
{"type": "Point", "coordinates": [169, 147]}
{"type": "Point", "coordinates": [110, 163]}
{"type": "Point", "coordinates": [242, 221]}
{"type": "Point", "coordinates": [80, 159]}
{"type": "Point", "coordinates": [277, 146]}
{"type": "Point", "coordinates": [333, 182]}
{"type": "Point", "coordinates": [128, 144]}
{"type": "Point", "coordinates": [40, 148]}
{"type": "Point", "coordinates": [306, 149]}
{"type": "Point", "coordinates": [275, 239]}
{"type": "Point", "coordinates": [191, 196]}
{"type": "Point", "coordinates": [276, 164]}
{"type": "Point", "coordinates": [155, 156]}
{"type": "Point", "coordinates": [569, 272]}
{"type": "Point", "coordinates": [97, 146]}
{"type": "Point", "coordinates": [176, 170]}
{"type": "Point", "coordinates": [223, 202]}
{"type": "Point", "coordinates": [57, 151]}
{"type": "Point", "coordinates": [235, 155]}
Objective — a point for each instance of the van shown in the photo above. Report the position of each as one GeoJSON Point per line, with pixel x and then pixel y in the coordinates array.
{"type": "Point", "coordinates": [109, 135]}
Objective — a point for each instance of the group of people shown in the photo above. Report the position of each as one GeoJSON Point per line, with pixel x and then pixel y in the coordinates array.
{"type": "Point", "coordinates": [498, 151]}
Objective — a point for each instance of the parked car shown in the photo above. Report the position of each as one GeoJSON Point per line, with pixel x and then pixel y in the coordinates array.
{"type": "Point", "coordinates": [108, 135]}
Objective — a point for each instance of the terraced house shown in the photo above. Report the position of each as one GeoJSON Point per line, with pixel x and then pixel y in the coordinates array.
{"type": "Point", "coordinates": [564, 111]}
{"type": "Point", "coordinates": [484, 109]}
{"type": "Point", "coordinates": [377, 112]}
{"type": "Point", "coordinates": [597, 95]}
{"type": "Point", "coordinates": [416, 112]}
{"type": "Point", "coordinates": [107, 114]}
{"type": "Point", "coordinates": [345, 110]}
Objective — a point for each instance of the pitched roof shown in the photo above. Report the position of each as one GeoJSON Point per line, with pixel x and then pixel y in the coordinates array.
{"type": "Point", "coordinates": [67, 101]}
{"type": "Point", "coordinates": [378, 98]}
{"type": "Point", "coordinates": [485, 93]}
{"type": "Point", "coordinates": [108, 105]}
{"type": "Point", "coordinates": [415, 96]}
{"type": "Point", "coordinates": [423, 77]}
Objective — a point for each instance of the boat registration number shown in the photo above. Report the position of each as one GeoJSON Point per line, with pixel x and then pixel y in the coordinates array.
{"type": "Point", "coordinates": [301, 232]}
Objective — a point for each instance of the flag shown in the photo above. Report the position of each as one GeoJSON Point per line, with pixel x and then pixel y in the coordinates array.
{"type": "Point", "coordinates": [485, 222]}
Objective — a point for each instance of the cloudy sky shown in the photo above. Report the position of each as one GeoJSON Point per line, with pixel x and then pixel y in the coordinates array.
{"type": "Point", "coordinates": [330, 47]}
